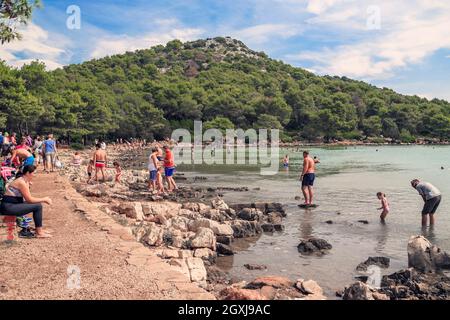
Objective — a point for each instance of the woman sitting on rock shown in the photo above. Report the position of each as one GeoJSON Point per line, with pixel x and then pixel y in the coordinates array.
{"type": "Point", "coordinates": [18, 201]}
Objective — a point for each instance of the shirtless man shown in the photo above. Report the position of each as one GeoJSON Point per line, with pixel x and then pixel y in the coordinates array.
{"type": "Point", "coordinates": [99, 161]}
{"type": "Point", "coordinates": [307, 177]}
{"type": "Point", "coordinates": [25, 157]}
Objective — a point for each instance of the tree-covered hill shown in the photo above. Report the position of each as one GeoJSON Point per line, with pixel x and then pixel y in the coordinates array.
{"type": "Point", "coordinates": [150, 92]}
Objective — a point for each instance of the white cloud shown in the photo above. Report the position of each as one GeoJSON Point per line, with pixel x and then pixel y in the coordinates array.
{"type": "Point", "coordinates": [266, 32]}
{"type": "Point", "coordinates": [36, 44]}
{"type": "Point", "coordinates": [410, 32]}
{"type": "Point", "coordinates": [111, 45]}
{"type": "Point", "coordinates": [320, 6]}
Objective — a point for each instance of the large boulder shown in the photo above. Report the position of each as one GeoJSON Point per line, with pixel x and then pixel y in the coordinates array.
{"type": "Point", "coordinates": [154, 235]}
{"type": "Point", "coordinates": [219, 204]}
{"type": "Point", "coordinates": [197, 270]}
{"type": "Point", "coordinates": [271, 281]}
{"type": "Point", "coordinates": [313, 246]}
{"type": "Point", "coordinates": [180, 223]}
{"type": "Point", "coordinates": [233, 293]}
{"type": "Point", "coordinates": [381, 262]}
{"type": "Point", "coordinates": [223, 249]}
{"type": "Point", "coordinates": [244, 229]}
{"type": "Point", "coordinates": [358, 291]}
{"type": "Point", "coordinates": [205, 254]}
{"type": "Point", "coordinates": [250, 214]}
{"type": "Point", "coordinates": [216, 227]}
{"type": "Point", "coordinates": [166, 208]}
{"type": "Point", "coordinates": [204, 238]}
{"type": "Point", "coordinates": [132, 210]}
{"type": "Point", "coordinates": [425, 257]}
{"type": "Point", "coordinates": [96, 190]}
{"type": "Point", "coordinates": [138, 211]}
{"type": "Point", "coordinates": [195, 206]}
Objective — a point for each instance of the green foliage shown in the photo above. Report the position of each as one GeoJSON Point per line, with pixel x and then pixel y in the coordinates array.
{"type": "Point", "coordinates": [77, 146]}
{"type": "Point", "coordinates": [219, 81]}
{"type": "Point", "coordinates": [14, 13]}
{"type": "Point", "coordinates": [220, 123]}
{"type": "Point", "coordinates": [405, 136]}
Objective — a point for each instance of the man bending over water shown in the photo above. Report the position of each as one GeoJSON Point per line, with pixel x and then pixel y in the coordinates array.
{"type": "Point", "coordinates": [432, 198]}
{"type": "Point", "coordinates": [307, 177]}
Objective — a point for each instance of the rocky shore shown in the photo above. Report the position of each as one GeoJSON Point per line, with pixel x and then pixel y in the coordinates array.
{"type": "Point", "coordinates": [425, 278]}
{"type": "Point", "coordinates": [190, 228]}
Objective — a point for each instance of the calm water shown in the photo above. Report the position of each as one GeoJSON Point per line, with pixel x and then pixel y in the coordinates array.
{"type": "Point", "coordinates": [347, 182]}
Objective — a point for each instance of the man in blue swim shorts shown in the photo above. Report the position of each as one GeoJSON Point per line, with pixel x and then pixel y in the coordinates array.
{"type": "Point", "coordinates": [307, 177]}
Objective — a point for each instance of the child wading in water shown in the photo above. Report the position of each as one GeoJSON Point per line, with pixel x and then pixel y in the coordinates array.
{"type": "Point", "coordinates": [384, 205]}
{"type": "Point", "coordinates": [118, 171]}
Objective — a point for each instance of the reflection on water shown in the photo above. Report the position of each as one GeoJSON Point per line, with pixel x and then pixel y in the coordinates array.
{"type": "Point", "coordinates": [428, 232]}
{"type": "Point", "coordinates": [306, 225]}
{"type": "Point", "coordinates": [382, 237]}
{"type": "Point", "coordinates": [347, 182]}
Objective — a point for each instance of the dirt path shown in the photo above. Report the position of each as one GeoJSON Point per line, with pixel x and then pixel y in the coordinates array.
{"type": "Point", "coordinates": [112, 264]}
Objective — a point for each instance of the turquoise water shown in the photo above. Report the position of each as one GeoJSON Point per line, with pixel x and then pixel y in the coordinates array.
{"type": "Point", "coordinates": [348, 179]}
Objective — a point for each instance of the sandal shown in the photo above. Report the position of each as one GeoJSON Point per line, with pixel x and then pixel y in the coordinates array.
{"type": "Point", "coordinates": [26, 234]}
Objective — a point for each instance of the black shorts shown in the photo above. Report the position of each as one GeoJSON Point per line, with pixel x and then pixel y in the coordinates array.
{"type": "Point", "coordinates": [308, 180]}
{"type": "Point", "coordinates": [431, 205]}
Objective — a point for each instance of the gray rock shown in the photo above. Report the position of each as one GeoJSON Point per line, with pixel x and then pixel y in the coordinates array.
{"type": "Point", "coordinates": [268, 227]}
{"type": "Point", "coordinates": [224, 239]}
{"type": "Point", "coordinates": [223, 249]}
{"type": "Point", "coordinates": [358, 291]}
{"type": "Point", "coordinates": [313, 246]}
{"type": "Point", "coordinates": [255, 266]}
{"type": "Point", "coordinates": [204, 238]}
{"type": "Point", "coordinates": [425, 257]}
{"type": "Point", "coordinates": [381, 262]}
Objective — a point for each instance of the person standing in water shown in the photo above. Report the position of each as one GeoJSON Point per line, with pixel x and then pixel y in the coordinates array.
{"type": "Point", "coordinates": [432, 198]}
{"type": "Point", "coordinates": [384, 205]}
{"type": "Point", "coordinates": [307, 177]}
{"type": "Point", "coordinates": [286, 162]}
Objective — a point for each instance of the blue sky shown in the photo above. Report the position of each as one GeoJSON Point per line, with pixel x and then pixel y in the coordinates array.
{"type": "Point", "coordinates": [401, 44]}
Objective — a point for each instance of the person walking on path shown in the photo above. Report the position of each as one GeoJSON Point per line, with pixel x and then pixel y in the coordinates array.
{"type": "Point", "coordinates": [50, 151]}
{"type": "Point", "coordinates": [432, 198]}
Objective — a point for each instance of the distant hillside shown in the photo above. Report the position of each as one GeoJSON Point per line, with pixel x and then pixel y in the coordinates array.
{"type": "Point", "coordinates": [150, 92]}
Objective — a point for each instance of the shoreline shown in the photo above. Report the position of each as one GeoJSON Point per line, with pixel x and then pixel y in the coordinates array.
{"type": "Point", "coordinates": [221, 286]}
{"type": "Point", "coordinates": [194, 224]}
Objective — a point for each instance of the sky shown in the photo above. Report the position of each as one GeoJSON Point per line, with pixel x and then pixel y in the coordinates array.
{"type": "Point", "coordinates": [399, 44]}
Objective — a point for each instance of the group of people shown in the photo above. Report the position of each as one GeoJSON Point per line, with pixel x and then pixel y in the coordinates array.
{"type": "Point", "coordinates": [23, 159]}
{"type": "Point", "coordinates": [161, 166]}
{"type": "Point", "coordinates": [429, 193]}
{"type": "Point", "coordinates": [29, 152]}
{"type": "Point", "coordinates": [157, 164]}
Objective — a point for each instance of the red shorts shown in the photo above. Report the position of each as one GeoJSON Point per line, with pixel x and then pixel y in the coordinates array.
{"type": "Point", "coordinates": [100, 164]}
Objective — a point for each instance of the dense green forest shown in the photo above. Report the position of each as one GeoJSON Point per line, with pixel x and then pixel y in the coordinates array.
{"type": "Point", "coordinates": [148, 93]}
